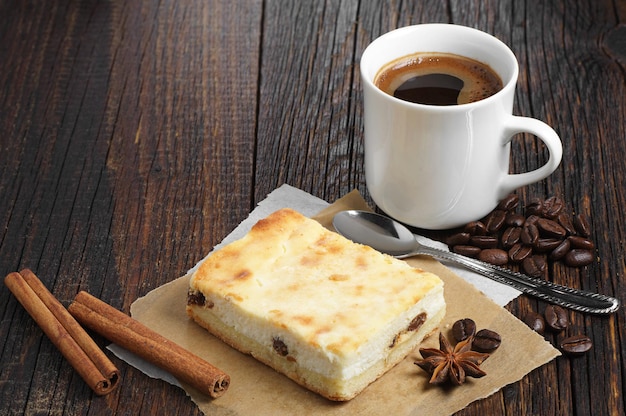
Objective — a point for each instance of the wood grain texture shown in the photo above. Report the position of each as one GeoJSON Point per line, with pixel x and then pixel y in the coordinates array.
{"type": "Point", "coordinates": [135, 135]}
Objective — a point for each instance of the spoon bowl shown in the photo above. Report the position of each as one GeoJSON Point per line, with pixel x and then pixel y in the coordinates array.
{"type": "Point", "coordinates": [377, 231]}
{"type": "Point", "coordinates": [389, 236]}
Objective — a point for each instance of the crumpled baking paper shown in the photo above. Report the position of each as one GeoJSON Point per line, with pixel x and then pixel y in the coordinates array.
{"type": "Point", "coordinates": [258, 390]}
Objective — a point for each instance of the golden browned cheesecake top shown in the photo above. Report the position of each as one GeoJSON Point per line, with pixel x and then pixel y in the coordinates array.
{"type": "Point", "coordinates": [330, 292]}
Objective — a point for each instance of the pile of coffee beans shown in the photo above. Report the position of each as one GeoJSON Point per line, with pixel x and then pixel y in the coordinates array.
{"type": "Point", "coordinates": [556, 319]}
{"type": "Point", "coordinates": [531, 236]}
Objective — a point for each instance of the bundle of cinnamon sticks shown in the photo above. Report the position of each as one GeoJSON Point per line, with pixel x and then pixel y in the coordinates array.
{"type": "Point", "coordinates": [66, 334]}
{"type": "Point", "coordinates": [61, 326]}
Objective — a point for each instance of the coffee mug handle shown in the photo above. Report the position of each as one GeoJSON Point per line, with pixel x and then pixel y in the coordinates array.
{"type": "Point", "coordinates": [548, 136]}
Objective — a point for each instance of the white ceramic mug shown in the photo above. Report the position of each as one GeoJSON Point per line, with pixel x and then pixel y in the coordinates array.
{"type": "Point", "coordinates": [439, 167]}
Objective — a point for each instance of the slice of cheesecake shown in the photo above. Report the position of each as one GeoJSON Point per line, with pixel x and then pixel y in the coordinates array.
{"type": "Point", "coordinates": [330, 314]}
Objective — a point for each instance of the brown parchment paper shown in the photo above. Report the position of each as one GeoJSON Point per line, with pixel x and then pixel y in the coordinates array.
{"type": "Point", "coordinates": [258, 390]}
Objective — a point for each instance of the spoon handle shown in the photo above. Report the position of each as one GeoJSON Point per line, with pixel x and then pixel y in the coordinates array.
{"type": "Point", "coordinates": [568, 297]}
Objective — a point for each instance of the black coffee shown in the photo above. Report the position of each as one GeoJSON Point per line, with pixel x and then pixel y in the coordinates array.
{"type": "Point", "coordinates": [438, 79]}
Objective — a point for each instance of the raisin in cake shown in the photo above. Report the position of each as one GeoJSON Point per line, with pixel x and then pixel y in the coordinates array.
{"type": "Point", "coordinates": [328, 313]}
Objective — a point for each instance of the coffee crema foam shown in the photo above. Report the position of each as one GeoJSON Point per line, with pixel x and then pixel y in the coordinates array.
{"type": "Point", "coordinates": [477, 79]}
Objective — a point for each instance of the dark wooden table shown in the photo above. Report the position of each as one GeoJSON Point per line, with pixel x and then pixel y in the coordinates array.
{"type": "Point", "coordinates": [136, 135]}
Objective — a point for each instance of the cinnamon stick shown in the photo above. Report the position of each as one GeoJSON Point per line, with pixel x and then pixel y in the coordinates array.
{"type": "Point", "coordinates": [149, 345]}
{"type": "Point", "coordinates": [66, 334]}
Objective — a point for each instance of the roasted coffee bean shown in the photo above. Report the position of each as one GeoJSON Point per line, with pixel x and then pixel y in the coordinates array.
{"type": "Point", "coordinates": [509, 203]}
{"type": "Point", "coordinates": [475, 228]}
{"type": "Point", "coordinates": [484, 241]}
{"type": "Point", "coordinates": [581, 242]}
{"type": "Point", "coordinates": [519, 252]}
{"type": "Point", "coordinates": [531, 219]}
{"type": "Point", "coordinates": [514, 220]}
{"type": "Point", "coordinates": [465, 250]}
{"type": "Point", "coordinates": [582, 225]}
{"type": "Point", "coordinates": [544, 245]}
{"type": "Point", "coordinates": [534, 266]}
{"type": "Point", "coordinates": [494, 256]}
{"type": "Point", "coordinates": [495, 220]}
{"type": "Point", "coordinates": [578, 257]}
{"type": "Point", "coordinates": [550, 228]}
{"type": "Point", "coordinates": [458, 238]}
{"type": "Point", "coordinates": [486, 340]}
{"type": "Point", "coordinates": [556, 317]}
{"type": "Point", "coordinates": [552, 207]}
{"type": "Point", "coordinates": [566, 222]}
{"type": "Point", "coordinates": [463, 329]}
{"type": "Point", "coordinates": [534, 207]}
{"type": "Point", "coordinates": [536, 322]}
{"type": "Point", "coordinates": [560, 251]}
{"type": "Point", "coordinates": [576, 345]}
{"type": "Point", "coordinates": [510, 236]}
{"type": "Point", "coordinates": [530, 234]}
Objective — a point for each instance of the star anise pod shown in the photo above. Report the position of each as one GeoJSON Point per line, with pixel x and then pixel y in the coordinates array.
{"type": "Point", "coordinates": [453, 364]}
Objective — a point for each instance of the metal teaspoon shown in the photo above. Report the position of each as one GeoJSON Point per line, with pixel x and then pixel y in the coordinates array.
{"type": "Point", "coordinates": [388, 236]}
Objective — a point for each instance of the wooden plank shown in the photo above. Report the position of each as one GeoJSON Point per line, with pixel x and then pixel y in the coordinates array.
{"type": "Point", "coordinates": [129, 141]}
{"type": "Point", "coordinates": [304, 129]}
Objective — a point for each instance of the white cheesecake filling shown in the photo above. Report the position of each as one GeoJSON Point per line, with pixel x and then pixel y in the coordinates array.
{"type": "Point", "coordinates": [322, 356]}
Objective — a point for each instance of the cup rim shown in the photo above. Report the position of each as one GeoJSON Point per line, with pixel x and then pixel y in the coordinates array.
{"type": "Point", "coordinates": [508, 84]}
